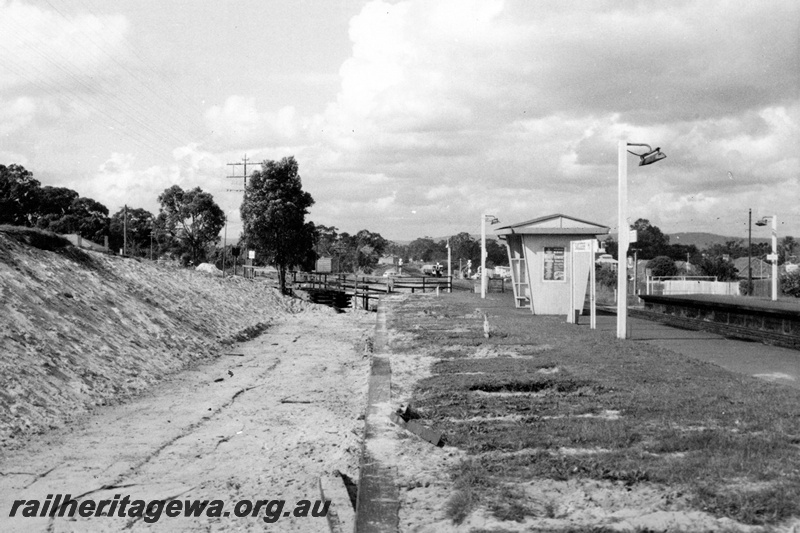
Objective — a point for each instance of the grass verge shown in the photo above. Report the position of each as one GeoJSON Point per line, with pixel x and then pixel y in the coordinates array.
{"type": "Point", "coordinates": [543, 399]}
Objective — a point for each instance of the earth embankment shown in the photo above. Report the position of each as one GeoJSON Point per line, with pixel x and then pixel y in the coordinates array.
{"type": "Point", "coordinates": [80, 329]}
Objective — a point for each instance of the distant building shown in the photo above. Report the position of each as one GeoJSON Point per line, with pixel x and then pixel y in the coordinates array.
{"type": "Point", "coordinates": [388, 260]}
{"type": "Point", "coordinates": [606, 260]}
{"type": "Point", "coordinates": [761, 269]}
{"type": "Point", "coordinates": [327, 265]}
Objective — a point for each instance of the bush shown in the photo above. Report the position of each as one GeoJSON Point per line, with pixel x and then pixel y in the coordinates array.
{"type": "Point", "coordinates": [716, 266]}
{"type": "Point", "coordinates": [746, 288]}
{"type": "Point", "coordinates": [606, 276]}
{"type": "Point", "coordinates": [790, 283]}
{"type": "Point", "coordinates": [662, 266]}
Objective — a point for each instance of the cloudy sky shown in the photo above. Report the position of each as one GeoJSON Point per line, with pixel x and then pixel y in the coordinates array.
{"type": "Point", "coordinates": [413, 118]}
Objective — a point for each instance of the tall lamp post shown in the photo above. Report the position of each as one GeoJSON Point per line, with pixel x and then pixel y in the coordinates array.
{"type": "Point", "coordinates": [773, 257]}
{"type": "Point", "coordinates": [749, 252]}
{"type": "Point", "coordinates": [493, 220]}
{"type": "Point", "coordinates": [647, 158]}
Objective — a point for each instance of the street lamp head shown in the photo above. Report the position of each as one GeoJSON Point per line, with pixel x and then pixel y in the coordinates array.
{"type": "Point", "coordinates": [648, 158]}
{"type": "Point", "coordinates": [762, 222]}
{"type": "Point", "coordinates": [651, 157]}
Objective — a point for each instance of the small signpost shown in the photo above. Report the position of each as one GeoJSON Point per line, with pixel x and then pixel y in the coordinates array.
{"type": "Point", "coordinates": [582, 252]}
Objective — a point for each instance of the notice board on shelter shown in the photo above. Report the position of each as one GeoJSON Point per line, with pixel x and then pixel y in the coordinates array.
{"type": "Point", "coordinates": [554, 264]}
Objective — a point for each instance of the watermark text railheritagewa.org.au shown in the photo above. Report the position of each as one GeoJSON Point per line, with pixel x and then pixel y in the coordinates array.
{"type": "Point", "coordinates": [150, 511]}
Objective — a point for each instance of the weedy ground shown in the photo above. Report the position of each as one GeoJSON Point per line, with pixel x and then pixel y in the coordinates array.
{"type": "Point", "coordinates": [542, 399]}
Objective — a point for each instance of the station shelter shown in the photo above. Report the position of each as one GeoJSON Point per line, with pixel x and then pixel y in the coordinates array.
{"type": "Point", "coordinates": [551, 258]}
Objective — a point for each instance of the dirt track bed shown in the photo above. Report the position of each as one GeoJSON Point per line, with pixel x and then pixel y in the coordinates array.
{"type": "Point", "coordinates": [263, 421]}
{"type": "Point", "coordinates": [557, 427]}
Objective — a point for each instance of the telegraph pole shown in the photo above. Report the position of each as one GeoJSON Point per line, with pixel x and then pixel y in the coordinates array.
{"type": "Point", "coordinates": [243, 190]}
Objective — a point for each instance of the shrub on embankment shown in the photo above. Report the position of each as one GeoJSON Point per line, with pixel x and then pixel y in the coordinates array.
{"type": "Point", "coordinates": [80, 329]}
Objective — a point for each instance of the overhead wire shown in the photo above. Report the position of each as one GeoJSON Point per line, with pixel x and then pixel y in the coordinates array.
{"type": "Point", "coordinates": [178, 97]}
{"type": "Point", "coordinates": [122, 109]}
{"type": "Point", "coordinates": [69, 97]}
{"type": "Point", "coordinates": [119, 96]}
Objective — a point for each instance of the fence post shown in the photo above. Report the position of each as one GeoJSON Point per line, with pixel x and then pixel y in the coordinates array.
{"type": "Point", "coordinates": [423, 284]}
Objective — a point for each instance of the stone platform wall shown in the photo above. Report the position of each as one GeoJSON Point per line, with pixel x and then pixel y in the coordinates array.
{"type": "Point", "coordinates": [775, 323]}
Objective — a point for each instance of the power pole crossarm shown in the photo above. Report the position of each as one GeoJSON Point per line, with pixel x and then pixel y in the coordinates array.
{"type": "Point", "coordinates": [243, 177]}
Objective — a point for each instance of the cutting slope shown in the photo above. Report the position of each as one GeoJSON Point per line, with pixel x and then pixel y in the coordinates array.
{"type": "Point", "coordinates": [79, 329]}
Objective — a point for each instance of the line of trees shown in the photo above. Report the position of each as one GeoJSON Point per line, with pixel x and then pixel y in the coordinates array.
{"type": "Point", "coordinates": [274, 211]}
{"type": "Point", "coordinates": [186, 227]}
{"type": "Point", "coordinates": [715, 260]}
{"type": "Point", "coordinates": [354, 253]}
{"type": "Point", "coordinates": [652, 242]}
{"type": "Point", "coordinates": [24, 202]}
{"type": "Point", "coordinates": [463, 247]}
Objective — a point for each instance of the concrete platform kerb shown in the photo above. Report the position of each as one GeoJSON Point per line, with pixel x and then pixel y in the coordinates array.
{"type": "Point", "coordinates": [378, 501]}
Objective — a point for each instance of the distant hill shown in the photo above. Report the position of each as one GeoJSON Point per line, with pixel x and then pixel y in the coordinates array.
{"type": "Point", "coordinates": [477, 237]}
{"type": "Point", "coordinates": [705, 240]}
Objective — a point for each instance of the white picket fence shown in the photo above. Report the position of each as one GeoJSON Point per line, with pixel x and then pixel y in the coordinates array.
{"type": "Point", "coordinates": [666, 286]}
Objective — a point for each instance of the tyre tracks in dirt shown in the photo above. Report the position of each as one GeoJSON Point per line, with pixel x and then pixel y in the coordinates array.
{"type": "Point", "coordinates": [263, 421]}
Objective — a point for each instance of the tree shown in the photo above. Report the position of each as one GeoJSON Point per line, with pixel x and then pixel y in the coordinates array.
{"type": "Point", "coordinates": [325, 238]}
{"type": "Point", "coordinates": [53, 203]}
{"type": "Point", "coordinates": [611, 247]}
{"type": "Point", "coordinates": [496, 254]}
{"type": "Point", "coordinates": [139, 227]}
{"type": "Point", "coordinates": [680, 252]}
{"type": "Point", "coordinates": [18, 195]}
{"type": "Point", "coordinates": [606, 276]}
{"type": "Point", "coordinates": [368, 249]}
{"type": "Point", "coordinates": [191, 220]}
{"type": "Point", "coordinates": [85, 217]}
{"type": "Point", "coordinates": [398, 250]}
{"type": "Point", "coordinates": [422, 249]}
{"type": "Point", "coordinates": [650, 241]}
{"type": "Point", "coordinates": [717, 266]}
{"type": "Point", "coordinates": [662, 266]}
{"type": "Point", "coordinates": [788, 247]}
{"type": "Point", "coordinates": [273, 214]}
{"type": "Point", "coordinates": [464, 247]}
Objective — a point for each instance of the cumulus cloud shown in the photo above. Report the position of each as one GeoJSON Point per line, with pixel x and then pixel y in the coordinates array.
{"type": "Point", "coordinates": [521, 104]}
{"type": "Point", "coordinates": [238, 122]}
{"type": "Point", "coordinates": [449, 109]}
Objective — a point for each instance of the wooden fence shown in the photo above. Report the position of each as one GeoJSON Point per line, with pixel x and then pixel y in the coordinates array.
{"type": "Point", "coordinates": [365, 288]}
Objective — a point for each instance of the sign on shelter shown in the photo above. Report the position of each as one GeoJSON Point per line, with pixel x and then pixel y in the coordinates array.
{"type": "Point", "coordinates": [543, 273]}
